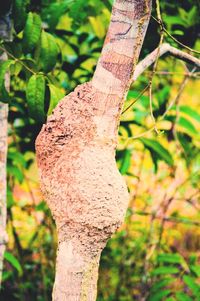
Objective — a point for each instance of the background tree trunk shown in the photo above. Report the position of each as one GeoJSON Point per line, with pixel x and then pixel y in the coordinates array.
{"type": "Point", "coordinates": [3, 183]}
{"type": "Point", "coordinates": [5, 34]}
{"type": "Point", "coordinates": [76, 157]}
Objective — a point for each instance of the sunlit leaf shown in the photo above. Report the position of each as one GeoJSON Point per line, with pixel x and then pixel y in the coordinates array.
{"type": "Point", "coordinates": [159, 151]}
{"type": "Point", "coordinates": [190, 112]}
{"type": "Point", "coordinates": [56, 94]}
{"type": "Point", "coordinates": [187, 126]}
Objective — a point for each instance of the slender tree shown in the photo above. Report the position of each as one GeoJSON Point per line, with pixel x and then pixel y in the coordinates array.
{"type": "Point", "coordinates": [76, 153]}
{"type": "Point", "coordinates": [76, 156]}
{"type": "Point", "coordinates": [3, 155]}
{"type": "Point", "coordinates": [5, 34]}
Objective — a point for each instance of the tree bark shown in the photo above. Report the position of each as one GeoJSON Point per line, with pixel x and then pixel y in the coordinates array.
{"type": "Point", "coordinates": [3, 183]}
{"type": "Point", "coordinates": [75, 151]}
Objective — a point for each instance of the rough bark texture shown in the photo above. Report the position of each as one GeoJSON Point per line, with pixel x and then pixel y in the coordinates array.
{"type": "Point", "coordinates": [3, 156]}
{"type": "Point", "coordinates": [76, 157]}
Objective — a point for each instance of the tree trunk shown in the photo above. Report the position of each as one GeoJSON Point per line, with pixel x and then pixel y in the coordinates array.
{"type": "Point", "coordinates": [6, 35]}
{"type": "Point", "coordinates": [3, 156]}
{"type": "Point", "coordinates": [75, 150]}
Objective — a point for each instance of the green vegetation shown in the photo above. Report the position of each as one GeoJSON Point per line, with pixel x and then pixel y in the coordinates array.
{"type": "Point", "coordinates": [156, 254]}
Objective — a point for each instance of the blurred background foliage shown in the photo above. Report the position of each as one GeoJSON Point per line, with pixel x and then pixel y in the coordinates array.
{"type": "Point", "coordinates": [156, 254]}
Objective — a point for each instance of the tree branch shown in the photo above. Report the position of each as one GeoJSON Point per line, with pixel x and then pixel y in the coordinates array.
{"type": "Point", "coordinates": [164, 48]}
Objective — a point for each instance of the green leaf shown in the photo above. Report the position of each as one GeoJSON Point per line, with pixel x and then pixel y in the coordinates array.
{"type": "Point", "coordinates": [32, 32]}
{"type": "Point", "coordinates": [6, 275]}
{"type": "Point", "coordinates": [160, 284]}
{"type": "Point", "coordinates": [163, 94]}
{"type": "Point", "coordinates": [159, 295]}
{"type": "Point", "coordinates": [187, 126]}
{"type": "Point", "coordinates": [54, 11]}
{"type": "Point", "coordinates": [19, 14]}
{"type": "Point", "coordinates": [190, 112]}
{"type": "Point", "coordinates": [193, 286]}
{"type": "Point", "coordinates": [48, 52]}
{"type": "Point", "coordinates": [35, 95]}
{"type": "Point", "coordinates": [180, 296]}
{"type": "Point", "coordinates": [13, 261]}
{"type": "Point", "coordinates": [126, 162]}
{"type": "Point", "coordinates": [15, 68]}
{"type": "Point", "coordinates": [78, 12]}
{"type": "Point", "coordinates": [56, 95]}
{"type": "Point", "coordinates": [17, 158]}
{"type": "Point", "coordinates": [15, 172]}
{"type": "Point", "coordinates": [185, 141]}
{"type": "Point", "coordinates": [170, 258]}
{"type": "Point", "coordinates": [10, 199]}
{"type": "Point", "coordinates": [165, 270]}
{"type": "Point", "coordinates": [195, 269]}
{"type": "Point", "coordinates": [4, 68]}
{"type": "Point", "coordinates": [160, 152]}
{"type": "Point", "coordinates": [41, 206]}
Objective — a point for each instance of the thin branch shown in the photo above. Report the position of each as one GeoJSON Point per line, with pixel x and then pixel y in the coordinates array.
{"type": "Point", "coordinates": [164, 114]}
{"type": "Point", "coordinates": [155, 66]}
{"type": "Point", "coordinates": [173, 219]}
{"type": "Point", "coordinates": [17, 60]}
{"type": "Point", "coordinates": [164, 48]}
{"type": "Point", "coordinates": [137, 98]}
{"type": "Point", "coordinates": [175, 101]}
{"type": "Point", "coordinates": [189, 74]}
{"type": "Point", "coordinates": [153, 57]}
{"type": "Point", "coordinates": [160, 22]}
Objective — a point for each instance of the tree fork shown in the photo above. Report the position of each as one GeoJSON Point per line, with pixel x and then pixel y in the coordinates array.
{"type": "Point", "coordinates": [75, 151]}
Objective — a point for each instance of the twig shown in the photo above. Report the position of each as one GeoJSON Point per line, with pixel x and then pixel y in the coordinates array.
{"type": "Point", "coordinates": [137, 98]}
{"type": "Point", "coordinates": [164, 114]}
{"type": "Point", "coordinates": [189, 74]}
{"type": "Point", "coordinates": [154, 68]}
{"type": "Point", "coordinates": [175, 101]}
{"type": "Point", "coordinates": [17, 60]}
{"type": "Point", "coordinates": [160, 22]}
{"type": "Point", "coordinates": [164, 48]}
{"type": "Point", "coordinates": [174, 219]}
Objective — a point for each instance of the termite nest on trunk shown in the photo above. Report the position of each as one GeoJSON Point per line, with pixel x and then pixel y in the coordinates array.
{"type": "Point", "coordinates": [79, 177]}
